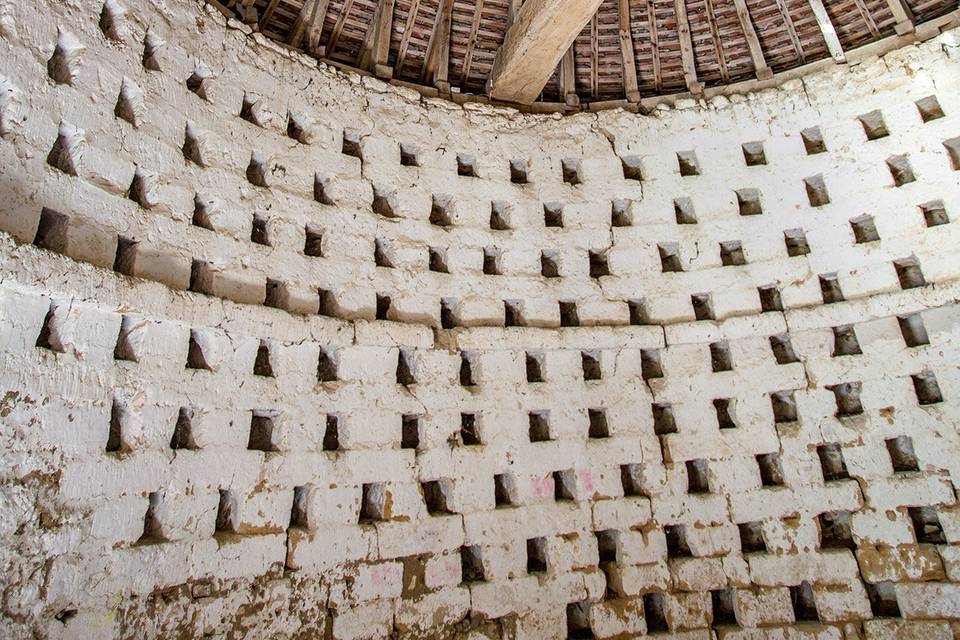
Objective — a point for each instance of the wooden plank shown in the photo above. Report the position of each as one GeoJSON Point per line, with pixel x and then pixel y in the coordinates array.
{"type": "Point", "coordinates": [534, 44]}
{"type": "Point", "coordinates": [309, 23]}
{"type": "Point", "coordinates": [686, 48]}
{"type": "Point", "coordinates": [436, 65]}
{"type": "Point", "coordinates": [631, 86]}
{"type": "Point", "coordinates": [753, 42]}
{"type": "Point", "coordinates": [902, 14]}
{"type": "Point", "coordinates": [828, 30]}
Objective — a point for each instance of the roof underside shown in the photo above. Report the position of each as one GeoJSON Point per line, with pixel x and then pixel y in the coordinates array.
{"type": "Point", "coordinates": [787, 30]}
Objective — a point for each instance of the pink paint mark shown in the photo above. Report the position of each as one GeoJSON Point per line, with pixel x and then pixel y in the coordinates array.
{"type": "Point", "coordinates": [586, 480]}
{"type": "Point", "coordinates": [543, 487]}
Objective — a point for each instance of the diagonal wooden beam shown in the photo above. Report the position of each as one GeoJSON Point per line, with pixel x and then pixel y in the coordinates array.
{"type": "Point", "coordinates": [412, 14]}
{"type": "Point", "coordinates": [760, 67]}
{"type": "Point", "coordinates": [534, 44]}
{"type": "Point", "coordinates": [338, 27]}
{"type": "Point", "coordinates": [631, 86]}
{"type": "Point", "coordinates": [828, 30]}
{"type": "Point", "coordinates": [686, 48]}
{"type": "Point", "coordinates": [902, 14]}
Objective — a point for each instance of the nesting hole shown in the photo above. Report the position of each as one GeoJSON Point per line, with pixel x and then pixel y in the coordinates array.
{"type": "Point", "coordinates": [748, 202]}
{"type": "Point", "coordinates": [845, 341]}
{"type": "Point", "coordinates": [683, 211]}
{"type": "Point", "coordinates": [847, 397]}
{"type": "Point", "coordinates": [731, 253]}
{"type": "Point", "coordinates": [538, 426]}
{"type": "Point", "coordinates": [569, 317]}
{"type": "Point", "coordinates": [751, 537]}
{"type": "Point", "coordinates": [552, 214]}
{"type": "Point", "coordinates": [753, 153]}
{"type": "Point", "coordinates": [663, 420]}
{"type": "Point", "coordinates": [669, 257]}
{"type": "Point", "coordinates": [929, 108]}
{"type": "Point", "coordinates": [261, 436]}
{"type": "Point", "coordinates": [784, 406]}
{"type": "Point", "coordinates": [934, 213]}
{"type": "Point", "coordinates": [832, 465]}
{"type": "Point", "coordinates": [813, 141]}
{"type": "Point", "coordinates": [873, 125]}
{"type": "Point", "coordinates": [410, 432]}
{"type": "Point", "coordinates": [724, 408]}
{"type": "Point", "coordinates": [926, 387]}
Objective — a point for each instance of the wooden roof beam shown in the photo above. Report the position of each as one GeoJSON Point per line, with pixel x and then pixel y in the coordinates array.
{"type": "Point", "coordinates": [828, 30]}
{"type": "Point", "coordinates": [539, 37]}
{"type": "Point", "coordinates": [760, 67]}
{"type": "Point", "coordinates": [686, 48]}
{"type": "Point", "coordinates": [631, 86]}
{"type": "Point", "coordinates": [309, 25]}
{"type": "Point", "coordinates": [375, 53]}
{"type": "Point", "coordinates": [902, 14]}
{"type": "Point", "coordinates": [436, 66]}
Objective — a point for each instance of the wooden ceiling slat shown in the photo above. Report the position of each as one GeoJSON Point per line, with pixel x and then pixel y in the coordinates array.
{"type": "Point", "coordinates": [628, 49]}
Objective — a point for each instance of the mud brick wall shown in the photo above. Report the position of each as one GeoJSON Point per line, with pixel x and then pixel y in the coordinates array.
{"type": "Point", "coordinates": [290, 353]}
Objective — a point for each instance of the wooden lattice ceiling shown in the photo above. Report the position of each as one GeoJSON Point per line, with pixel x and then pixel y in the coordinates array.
{"type": "Point", "coordinates": [628, 50]}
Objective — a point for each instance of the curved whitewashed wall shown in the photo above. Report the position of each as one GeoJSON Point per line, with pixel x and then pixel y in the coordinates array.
{"type": "Point", "coordinates": [257, 381]}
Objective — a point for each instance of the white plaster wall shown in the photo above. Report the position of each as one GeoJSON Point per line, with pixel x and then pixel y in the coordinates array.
{"type": "Point", "coordinates": [73, 514]}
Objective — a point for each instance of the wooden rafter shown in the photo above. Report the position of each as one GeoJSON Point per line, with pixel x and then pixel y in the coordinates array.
{"type": "Point", "coordinates": [686, 48]}
{"type": "Point", "coordinates": [375, 53]}
{"type": "Point", "coordinates": [471, 43]}
{"type": "Point", "coordinates": [828, 30]}
{"type": "Point", "coordinates": [407, 30]}
{"type": "Point", "coordinates": [791, 30]}
{"type": "Point", "coordinates": [309, 24]}
{"type": "Point", "coordinates": [761, 69]}
{"type": "Point", "coordinates": [534, 44]}
{"type": "Point", "coordinates": [717, 41]}
{"type": "Point", "coordinates": [267, 14]}
{"type": "Point", "coordinates": [654, 44]}
{"type": "Point", "coordinates": [436, 65]}
{"type": "Point", "coordinates": [903, 16]}
{"type": "Point", "coordinates": [631, 86]}
{"type": "Point", "coordinates": [338, 27]}
{"type": "Point", "coordinates": [867, 18]}
{"type": "Point", "coordinates": [594, 57]}
{"type": "Point", "coordinates": [568, 78]}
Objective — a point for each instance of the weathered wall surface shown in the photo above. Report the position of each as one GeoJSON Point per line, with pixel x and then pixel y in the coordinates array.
{"type": "Point", "coordinates": [256, 380]}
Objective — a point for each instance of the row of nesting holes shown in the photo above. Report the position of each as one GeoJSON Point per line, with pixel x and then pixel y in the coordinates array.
{"type": "Point", "coordinates": [61, 69]}
{"type": "Point", "coordinates": [52, 235]}
{"type": "Point", "coordinates": [847, 395]}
